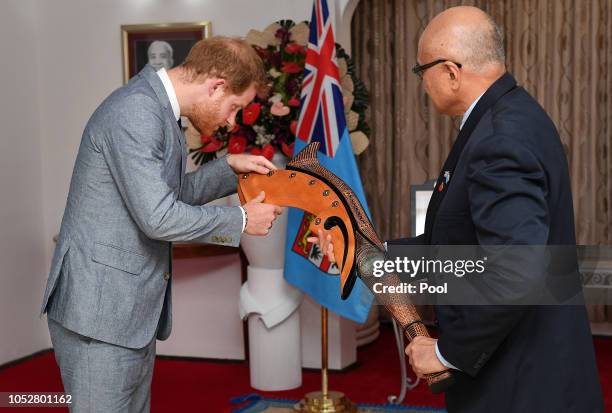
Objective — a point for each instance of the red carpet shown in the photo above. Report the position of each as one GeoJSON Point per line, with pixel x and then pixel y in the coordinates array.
{"type": "Point", "coordinates": [203, 386]}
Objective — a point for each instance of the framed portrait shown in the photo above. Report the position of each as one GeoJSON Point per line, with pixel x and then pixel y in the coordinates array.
{"type": "Point", "coordinates": [161, 45]}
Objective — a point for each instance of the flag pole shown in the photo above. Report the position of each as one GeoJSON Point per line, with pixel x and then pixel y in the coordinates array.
{"type": "Point", "coordinates": [324, 332]}
{"type": "Point", "coordinates": [324, 401]}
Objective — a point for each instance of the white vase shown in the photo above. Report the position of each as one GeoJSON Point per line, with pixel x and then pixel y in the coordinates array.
{"type": "Point", "coordinates": [270, 304]}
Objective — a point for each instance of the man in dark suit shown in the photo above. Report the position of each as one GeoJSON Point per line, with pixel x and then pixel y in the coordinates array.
{"type": "Point", "coordinates": [505, 182]}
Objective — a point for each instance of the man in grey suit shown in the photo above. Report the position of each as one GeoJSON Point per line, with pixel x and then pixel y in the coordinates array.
{"type": "Point", "coordinates": [108, 295]}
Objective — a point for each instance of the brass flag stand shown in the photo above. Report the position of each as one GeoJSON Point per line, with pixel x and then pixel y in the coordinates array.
{"type": "Point", "coordinates": [324, 401]}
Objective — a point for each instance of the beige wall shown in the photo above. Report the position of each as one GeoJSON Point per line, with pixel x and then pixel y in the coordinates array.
{"type": "Point", "coordinates": [22, 241]}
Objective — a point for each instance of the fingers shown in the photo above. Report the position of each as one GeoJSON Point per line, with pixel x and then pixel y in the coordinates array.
{"type": "Point", "coordinates": [259, 169]}
{"type": "Point", "coordinates": [327, 247]}
{"type": "Point", "coordinates": [261, 216]}
{"type": "Point", "coordinates": [408, 350]}
{"type": "Point", "coordinates": [261, 165]}
{"type": "Point", "coordinates": [250, 163]}
{"type": "Point", "coordinates": [410, 353]}
{"type": "Point", "coordinates": [259, 198]}
{"type": "Point", "coordinates": [330, 252]}
{"type": "Point", "coordinates": [263, 161]}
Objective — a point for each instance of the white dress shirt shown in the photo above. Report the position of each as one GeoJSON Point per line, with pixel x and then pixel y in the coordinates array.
{"type": "Point", "coordinates": [467, 113]}
{"type": "Point", "coordinates": [176, 109]}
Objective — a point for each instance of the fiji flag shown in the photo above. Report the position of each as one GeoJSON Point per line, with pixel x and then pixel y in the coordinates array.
{"type": "Point", "coordinates": [322, 120]}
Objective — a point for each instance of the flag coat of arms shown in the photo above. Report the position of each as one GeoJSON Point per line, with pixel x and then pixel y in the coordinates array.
{"type": "Point", "coordinates": [322, 119]}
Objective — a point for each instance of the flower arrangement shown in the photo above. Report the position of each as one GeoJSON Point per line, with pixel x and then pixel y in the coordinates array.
{"type": "Point", "coordinates": [267, 126]}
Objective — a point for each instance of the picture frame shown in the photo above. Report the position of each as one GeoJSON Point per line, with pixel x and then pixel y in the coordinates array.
{"type": "Point", "coordinates": [419, 200]}
{"type": "Point", "coordinates": [161, 44]}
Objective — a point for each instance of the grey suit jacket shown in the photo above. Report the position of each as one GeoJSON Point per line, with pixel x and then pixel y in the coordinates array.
{"type": "Point", "coordinates": [129, 198]}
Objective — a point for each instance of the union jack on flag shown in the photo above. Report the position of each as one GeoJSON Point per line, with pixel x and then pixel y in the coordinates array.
{"type": "Point", "coordinates": [322, 120]}
{"type": "Point", "coordinates": [322, 114]}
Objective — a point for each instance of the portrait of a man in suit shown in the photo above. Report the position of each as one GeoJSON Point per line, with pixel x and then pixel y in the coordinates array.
{"type": "Point", "coordinates": [160, 55]}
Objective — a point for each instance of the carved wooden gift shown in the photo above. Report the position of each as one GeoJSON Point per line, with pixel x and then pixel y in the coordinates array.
{"type": "Point", "coordinates": [307, 185]}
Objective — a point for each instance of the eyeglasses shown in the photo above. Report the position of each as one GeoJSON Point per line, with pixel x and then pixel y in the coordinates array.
{"type": "Point", "coordinates": [420, 69]}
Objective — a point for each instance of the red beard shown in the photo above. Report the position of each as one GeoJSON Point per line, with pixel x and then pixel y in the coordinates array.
{"type": "Point", "coordinates": [206, 119]}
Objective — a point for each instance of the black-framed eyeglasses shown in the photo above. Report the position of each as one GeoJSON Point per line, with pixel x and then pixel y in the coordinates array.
{"type": "Point", "coordinates": [420, 69]}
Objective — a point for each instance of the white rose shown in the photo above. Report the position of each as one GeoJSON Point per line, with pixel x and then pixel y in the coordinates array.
{"type": "Point", "coordinates": [360, 142]}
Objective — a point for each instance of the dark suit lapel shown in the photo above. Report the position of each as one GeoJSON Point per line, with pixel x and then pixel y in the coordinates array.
{"type": "Point", "coordinates": [498, 89]}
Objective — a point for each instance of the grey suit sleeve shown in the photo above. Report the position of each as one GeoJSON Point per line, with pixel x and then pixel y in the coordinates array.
{"type": "Point", "coordinates": [210, 181]}
{"type": "Point", "coordinates": [133, 147]}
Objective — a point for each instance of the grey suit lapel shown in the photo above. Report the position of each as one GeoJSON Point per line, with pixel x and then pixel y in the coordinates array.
{"type": "Point", "coordinates": [148, 73]}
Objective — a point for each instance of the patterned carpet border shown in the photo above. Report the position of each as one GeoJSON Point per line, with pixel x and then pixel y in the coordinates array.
{"type": "Point", "coordinates": [256, 403]}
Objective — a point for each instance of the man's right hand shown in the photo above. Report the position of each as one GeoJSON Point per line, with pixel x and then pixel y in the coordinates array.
{"type": "Point", "coordinates": [259, 215]}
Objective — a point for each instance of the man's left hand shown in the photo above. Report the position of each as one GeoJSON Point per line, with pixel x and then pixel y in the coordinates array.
{"type": "Point", "coordinates": [242, 163]}
{"type": "Point", "coordinates": [421, 354]}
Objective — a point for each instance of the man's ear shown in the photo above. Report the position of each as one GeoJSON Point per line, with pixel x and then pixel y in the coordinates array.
{"type": "Point", "coordinates": [452, 71]}
{"type": "Point", "coordinates": [216, 85]}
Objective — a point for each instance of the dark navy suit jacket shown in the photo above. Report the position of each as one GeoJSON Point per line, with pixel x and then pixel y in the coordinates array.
{"type": "Point", "coordinates": [510, 185]}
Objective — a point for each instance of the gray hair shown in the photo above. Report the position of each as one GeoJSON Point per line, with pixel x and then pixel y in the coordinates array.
{"type": "Point", "coordinates": [484, 46]}
{"type": "Point", "coordinates": [163, 43]}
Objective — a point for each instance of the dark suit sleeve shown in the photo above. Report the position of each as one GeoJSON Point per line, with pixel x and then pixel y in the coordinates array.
{"type": "Point", "coordinates": [507, 189]}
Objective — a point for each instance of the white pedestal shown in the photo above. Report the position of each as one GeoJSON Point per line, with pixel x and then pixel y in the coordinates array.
{"type": "Point", "coordinates": [274, 322]}
{"type": "Point", "coordinates": [274, 354]}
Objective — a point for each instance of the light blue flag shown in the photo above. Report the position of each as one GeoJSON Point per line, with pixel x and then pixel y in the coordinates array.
{"type": "Point", "coordinates": [322, 120]}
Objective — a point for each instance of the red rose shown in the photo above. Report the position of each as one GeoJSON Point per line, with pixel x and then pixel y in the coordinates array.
{"type": "Point", "coordinates": [292, 67]}
{"type": "Point", "coordinates": [288, 149]}
{"type": "Point", "coordinates": [268, 151]}
{"type": "Point", "coordinates": [251, 113]}
{"type": "Point", "coordinates": [294, 102]}
{"type": "Point", "coordinates": [255, 151]}
{"type": "Point", "coordinates": [294, 48]}
{"type": "Point", "coordinates": [210, 144]}
{"type": "Point", "coordinates": [237, 144]}
{"type": "Point", "coordinates": [263, 53]}
{"type": "Point", "coordinates": [293, 127]}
